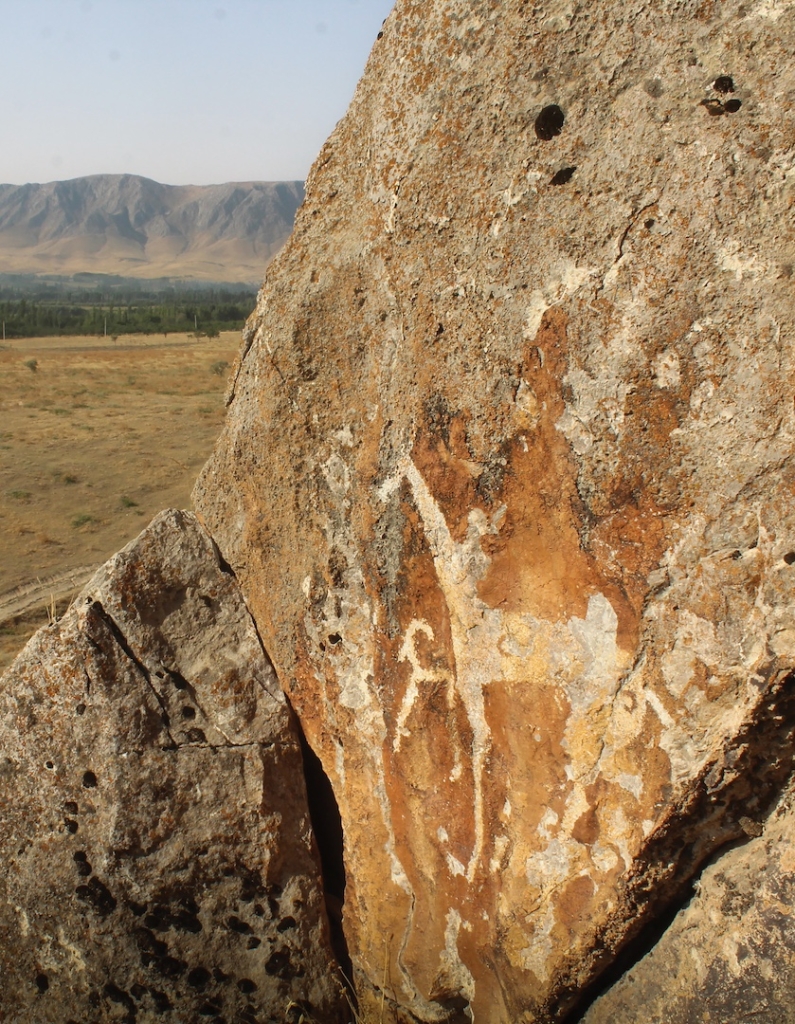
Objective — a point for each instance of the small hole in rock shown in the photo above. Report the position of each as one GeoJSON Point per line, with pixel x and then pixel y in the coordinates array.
{"type": "Point", "coordinates": [42, 982]}
{"type": "Point", "coordinates": [70, 806]}
{"type": "Point", "coordinates": [278, 965]}
{"type": "Point", "coordinates": [236, 925]}
{"type": "Point", "coordinates": [259, 910]}
{"type": "Point", "coordinates": [564, 175]}
{"type": "Point", "coordinates": [84, 869]}
{"type": "Point", "coordinates": [80, 709]}
{"type": "Point", "coordinates": [253, 942]}
{"type": "Point", "coordinates": [219, 975]}
{"type": "Point", "coordinates": [732, 106]}
{"type": "Point", "coordinates": [89, 780]}
{"type": "Point", "coordinates": [196, 736]}
{"type": "Point", "coordinates": [161, 1001]}
{"type": "Point", "coordinates": [49, 764]}
{"type": "Point", "coordinates": [334, 638]}
{"type": "Point", "coordinates": [549, 122]}
{"type": "Point", "coordinates": [247, 986]}
{"type": "Point", "coordinates": [714, 107]}
{"type": "Point", "coordinates": [188, 712]}
{"type": "Point", "coordinates": [789, 558]}
{"type": "Point", "coordinates": [71, 826]}
{"type": "Point", "coordinates": [723, 83]}
{"type": "Point", "coordinates": [649, 224]}
{"type": "Point", "coordinates": [286, 924]}
{"type": "Point", "coordinates": [199, 977]}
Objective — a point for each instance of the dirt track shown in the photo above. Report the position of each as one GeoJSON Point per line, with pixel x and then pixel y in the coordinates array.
{"type": "Point", "coordinates": [43, 592]}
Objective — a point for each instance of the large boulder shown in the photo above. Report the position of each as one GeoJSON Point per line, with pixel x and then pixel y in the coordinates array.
{"type": "Point", "coordinates": [158, 859]}
{"type": "Point", "coordinates": [507, 481]}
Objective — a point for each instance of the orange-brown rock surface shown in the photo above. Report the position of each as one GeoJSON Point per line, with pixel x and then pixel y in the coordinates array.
{"type": "Point", "coordinates": [507, 481]}
{"type": "Point", "coordinates": [157, 855]}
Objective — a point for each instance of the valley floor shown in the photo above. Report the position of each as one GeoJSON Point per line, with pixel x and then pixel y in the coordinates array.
{"type": "Point", "coordinates": [96, 437]}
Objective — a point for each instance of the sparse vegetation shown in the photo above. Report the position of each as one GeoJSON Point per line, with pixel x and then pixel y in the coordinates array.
{"type": "Point", "coordinates": [32, 364]}
{"type": "Point", "coordinates": [219, 367]}
{"type": "Point", "coordinates": [82, 520]}
{"type": "Point", "coordinates": [128, 502]}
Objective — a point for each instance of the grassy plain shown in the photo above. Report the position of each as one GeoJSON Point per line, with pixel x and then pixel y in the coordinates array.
{"type": "Point", "coordinates": [96, 437]}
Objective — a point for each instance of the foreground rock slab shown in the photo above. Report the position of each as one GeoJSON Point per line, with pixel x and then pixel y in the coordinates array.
{"type": "Point", "coordinates": [158, 860]}
{"type": "Point", "coordinates": [507, 479]}
{"type": "Point", "coordinates": [730, 954]}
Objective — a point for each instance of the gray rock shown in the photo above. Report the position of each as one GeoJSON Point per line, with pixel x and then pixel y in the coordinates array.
{"type": "Point", "coordinates": [729, 955]}
{"type": "Point", "coordinates": [158, 859]}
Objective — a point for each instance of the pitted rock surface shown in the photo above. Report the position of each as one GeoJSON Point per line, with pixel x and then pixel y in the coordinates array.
{"type": "Point", "coordinates": [507, 480]}
{"type": "Point", "coordinates": [158, 861]}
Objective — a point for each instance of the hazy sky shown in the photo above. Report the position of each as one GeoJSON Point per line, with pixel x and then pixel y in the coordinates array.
{"type": "Point", "coordinates": [183, 91]}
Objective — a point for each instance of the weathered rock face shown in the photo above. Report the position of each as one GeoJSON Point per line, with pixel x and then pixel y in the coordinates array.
{"type": "Point", "coordinates": [158, 861]}
{"type": "Point", "coordinates": [729, 954]}
{"type": "Point", "coordinates": [507, 479]}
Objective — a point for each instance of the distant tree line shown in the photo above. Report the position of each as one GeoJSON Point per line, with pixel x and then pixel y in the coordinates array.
{"type": "Point", "coordinates": [63, 309]}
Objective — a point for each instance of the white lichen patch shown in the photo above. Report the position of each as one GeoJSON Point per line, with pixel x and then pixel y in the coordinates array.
{"type": "Point", "coordinates": [666, 368]}
{"type": "Point", "coordinates": [740, 262]}
{"type": "Point", "coordinates": [563, 281]}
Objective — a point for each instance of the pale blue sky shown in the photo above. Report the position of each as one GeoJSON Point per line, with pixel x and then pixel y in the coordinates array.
{"type": "Point", "coordinates": [183, 91]}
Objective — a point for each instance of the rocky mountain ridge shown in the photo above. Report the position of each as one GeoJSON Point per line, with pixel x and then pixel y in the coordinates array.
{"type": "Point", "coordinates": [136, 227]}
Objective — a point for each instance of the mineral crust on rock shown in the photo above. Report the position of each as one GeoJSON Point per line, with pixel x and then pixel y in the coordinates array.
{"type": "Point", "coordinates": [158, 861]}
{"type": "Point", "coordinates": [507, 480]}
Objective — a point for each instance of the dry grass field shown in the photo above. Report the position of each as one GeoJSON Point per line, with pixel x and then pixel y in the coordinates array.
{"type": "Point", "coordinates": [96, 436]}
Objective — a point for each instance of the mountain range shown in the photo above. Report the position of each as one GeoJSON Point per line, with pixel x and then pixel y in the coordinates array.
{"type": "Point", "coordinates": [135, 227]}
